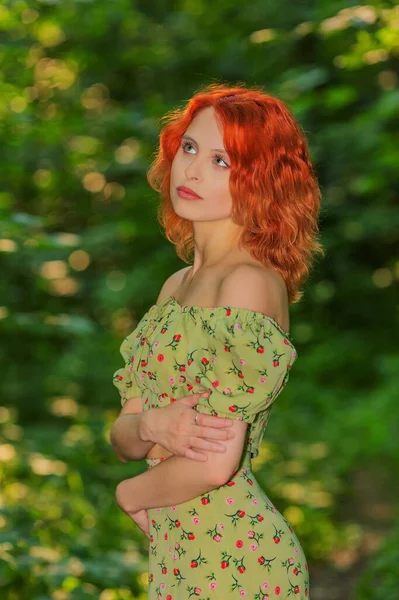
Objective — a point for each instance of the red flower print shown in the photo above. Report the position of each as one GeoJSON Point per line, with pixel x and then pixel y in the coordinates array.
{"type": "Point", "coordinates": [192, 362]}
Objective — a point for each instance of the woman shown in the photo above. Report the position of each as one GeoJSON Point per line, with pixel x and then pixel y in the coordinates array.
{"type": "Point", "coordinates": [239, 194]}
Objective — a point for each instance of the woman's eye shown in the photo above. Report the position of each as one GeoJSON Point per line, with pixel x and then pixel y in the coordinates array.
{"type": "Point", "coordinates": [216, 156]}
{"type": "Point", "coordinates": [220, 158]}
{"type": "Point", "coordinates": [185, 144]}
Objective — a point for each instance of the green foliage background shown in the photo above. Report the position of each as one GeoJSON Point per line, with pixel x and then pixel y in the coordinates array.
{"type": "Point", "coordinates": [83, 85]}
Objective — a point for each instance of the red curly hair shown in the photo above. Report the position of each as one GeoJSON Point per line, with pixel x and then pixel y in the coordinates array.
{"type": "Point", "coordinates": [274, 190]}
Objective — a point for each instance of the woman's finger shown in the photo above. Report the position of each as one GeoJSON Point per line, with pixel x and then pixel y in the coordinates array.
{"type": "Point", "coordinates": [193, 455]}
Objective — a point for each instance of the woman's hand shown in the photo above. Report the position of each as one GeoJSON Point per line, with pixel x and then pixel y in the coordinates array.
{"type": "Point", "coordinates": [141, 520]}
{"type": "Point", "coordinates": [123, 495]}
{"type": "Point", "coordinates": [174, 428]}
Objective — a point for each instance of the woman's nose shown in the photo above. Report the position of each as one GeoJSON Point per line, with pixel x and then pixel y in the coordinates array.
{"type": "Point", "coordinates": [194, 169]}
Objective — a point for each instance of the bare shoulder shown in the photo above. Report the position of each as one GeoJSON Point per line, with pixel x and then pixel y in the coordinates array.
{"type": "Point", "coordinates": [172, 283]}
{"type": "Point", "coordinates": [256, 288]}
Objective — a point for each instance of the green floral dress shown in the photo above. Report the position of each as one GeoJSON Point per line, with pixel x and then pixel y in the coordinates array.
{"type": "Point", "coordinates": [231, 542]}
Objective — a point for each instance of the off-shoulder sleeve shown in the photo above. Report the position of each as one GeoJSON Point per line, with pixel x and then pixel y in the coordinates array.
{"type": "Point", "coordinates": [244, 362]}
{"type": "Point", "coordinates": [123, 378]}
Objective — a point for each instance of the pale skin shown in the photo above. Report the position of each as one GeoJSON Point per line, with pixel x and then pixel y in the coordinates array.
{"type": "Point", "coordinates": [221, 275]}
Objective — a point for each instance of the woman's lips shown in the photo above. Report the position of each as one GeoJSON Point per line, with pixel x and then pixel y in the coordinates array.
{"type": "Point", "coordinates": [185, 194]}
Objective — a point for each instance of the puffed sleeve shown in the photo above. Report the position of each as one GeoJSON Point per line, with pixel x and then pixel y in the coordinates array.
{"type": "Point", "coordinates": [243, 359]}
{"type": "Point", "coordinates": [124, 378]}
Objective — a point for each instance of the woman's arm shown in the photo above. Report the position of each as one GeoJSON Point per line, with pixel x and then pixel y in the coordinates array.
{"type": "Point", "coordinates": [130, 433]}
{"type": "Point", "coordinates": [179, 479]}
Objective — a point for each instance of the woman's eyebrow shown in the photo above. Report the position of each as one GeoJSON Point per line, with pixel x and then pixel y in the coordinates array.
{"type": "Point", "coordinates": [187, 137]}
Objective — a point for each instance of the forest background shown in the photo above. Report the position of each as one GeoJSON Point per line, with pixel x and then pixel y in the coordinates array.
{"type": "Point", "coordinates": [83, 86]}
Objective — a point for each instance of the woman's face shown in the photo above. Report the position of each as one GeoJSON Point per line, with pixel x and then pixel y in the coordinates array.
{"type": "Point", "coordinates": [202, 165]}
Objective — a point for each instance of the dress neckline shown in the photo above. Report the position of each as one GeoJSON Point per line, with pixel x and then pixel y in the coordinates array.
{"type": "Point", "coordinates": [205, 309]}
